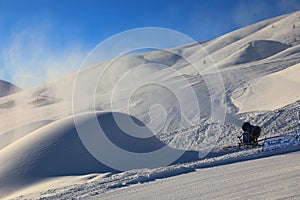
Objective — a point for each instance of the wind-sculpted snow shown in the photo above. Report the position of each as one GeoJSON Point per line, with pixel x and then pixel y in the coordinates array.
{"type": "Point", "coordinates": [256, 50]}
{"type": "Point", "coordinates": [56, 150]}
{"type": "Point", "coordinates": [272, 91]}
{"type": "Point", "coordinates": [11, 136]}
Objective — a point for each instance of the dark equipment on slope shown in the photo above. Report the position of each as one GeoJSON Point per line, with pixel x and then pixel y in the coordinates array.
{"type": "Point", "coordinates": [248, 138]}
{"type": "Point", "coordinates": [250, 135]}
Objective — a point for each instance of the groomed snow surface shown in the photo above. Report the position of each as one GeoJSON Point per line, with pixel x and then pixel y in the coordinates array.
{"type": "Point", "coordinates": [42, 156]}
{"type": "Point", "coordinates": [263, 175]}
{"type": "Point", "coordinates": [275, 177]}
{"type": "Point", "coordinates": [272, 91]}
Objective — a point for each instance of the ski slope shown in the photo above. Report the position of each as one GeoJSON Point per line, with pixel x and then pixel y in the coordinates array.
{"type": "Point", "coordinates": [41, 155]}
{"type": "Point", "coordinates": [227, 171]}
{"type": "Point", "coordinates": [272, 91]}
{"type": "Point", "coordinates": [275, 177]}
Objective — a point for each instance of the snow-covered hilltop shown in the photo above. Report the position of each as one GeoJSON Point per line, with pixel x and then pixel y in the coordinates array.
{"type": "Point", "coordinates": [7, 88]}
{"type": "Point", "coordinates": [259, 66]}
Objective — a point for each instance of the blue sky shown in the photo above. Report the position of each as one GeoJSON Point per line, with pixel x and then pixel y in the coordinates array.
{"type": "Point", "coordinates": [44, 39]}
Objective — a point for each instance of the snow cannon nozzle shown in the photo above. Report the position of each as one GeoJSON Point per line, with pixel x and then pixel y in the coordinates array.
{"type": "Point", "coordinates": [252, 130]}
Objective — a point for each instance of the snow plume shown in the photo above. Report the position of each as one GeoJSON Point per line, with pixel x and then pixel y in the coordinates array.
{"type": "Point", "coordinates": [245, 15]}
{"type": "Point", "coordinates": [289, 5]}
{"type": "Point", "coordinates": [30, 58]}
{"type": "Point", "coordinates": [233, 119]}
{"type": "Point", "coordinates": [221, 112]}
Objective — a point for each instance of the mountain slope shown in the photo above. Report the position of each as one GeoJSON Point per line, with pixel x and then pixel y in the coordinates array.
{"type": "Point", "coordinates": [255, 63]}
{"type": "Point", "coordinates": [271, 92]}
{"type": "Point", "coordinates": [267, 178]}
{"type": "Point", "coordinates": [7, 88]}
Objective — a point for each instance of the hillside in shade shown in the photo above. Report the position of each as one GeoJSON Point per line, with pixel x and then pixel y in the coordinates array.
{"type": "Point", "coordinates": [7, 88]}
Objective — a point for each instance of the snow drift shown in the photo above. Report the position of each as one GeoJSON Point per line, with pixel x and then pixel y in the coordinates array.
{"type": "Point", "coordinates": [256, 50]}
{"type": "Point", "coordinates": [56, 150]}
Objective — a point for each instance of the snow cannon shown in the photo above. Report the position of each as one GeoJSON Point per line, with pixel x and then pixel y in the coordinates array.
{"type": "Point", "coordinates": [252, 130]}
{"type": "Point", "coordinates": [251, 133]}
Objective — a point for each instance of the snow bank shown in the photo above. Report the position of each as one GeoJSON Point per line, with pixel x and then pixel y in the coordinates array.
{"type": "Point", "coordinates": [56, 150]}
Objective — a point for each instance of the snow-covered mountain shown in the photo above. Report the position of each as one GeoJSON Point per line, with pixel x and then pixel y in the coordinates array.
{"type": "Point", "coordinates": [7, 88]}
{"type": "Point", "coordinates": [259, 66]}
